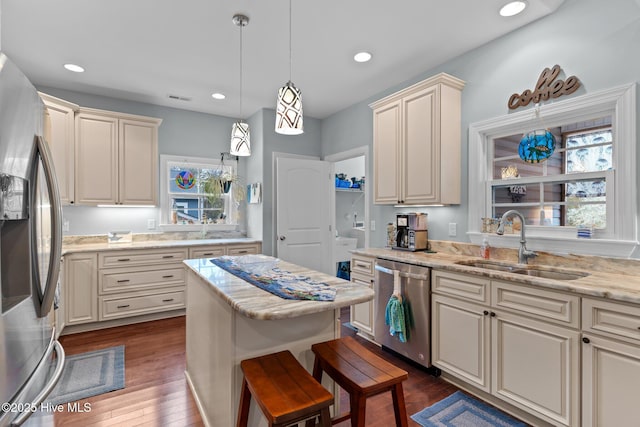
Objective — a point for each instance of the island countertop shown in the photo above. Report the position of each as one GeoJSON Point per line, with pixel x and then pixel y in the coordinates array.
{"type": "Point", "coordinates": [256, 303]}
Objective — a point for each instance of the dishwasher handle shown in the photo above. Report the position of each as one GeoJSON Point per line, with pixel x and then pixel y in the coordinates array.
{"type": "Point", "coordinates": [402, 273]}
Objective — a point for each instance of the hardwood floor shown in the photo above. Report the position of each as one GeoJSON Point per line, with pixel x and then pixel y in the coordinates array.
{"type": "Point", "coordinates": [156, 392]}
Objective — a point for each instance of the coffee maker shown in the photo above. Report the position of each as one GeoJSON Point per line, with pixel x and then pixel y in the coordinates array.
{"type": "Point", "coordinates": [411, 232]}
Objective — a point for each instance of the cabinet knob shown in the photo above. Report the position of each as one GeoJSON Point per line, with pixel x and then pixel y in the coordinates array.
{"type": "Point", "coordinates": [485, 312]}
{"type": "Point", "coordinates": [586, 340]}
{"type": "Point", "coordinates": [493, 314]}
{"type": "Point", "coordinates": [283, 237]}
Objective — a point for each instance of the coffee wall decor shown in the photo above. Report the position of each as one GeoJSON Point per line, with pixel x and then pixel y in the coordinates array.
{"type": "Point", "coordinates": [548, 86]}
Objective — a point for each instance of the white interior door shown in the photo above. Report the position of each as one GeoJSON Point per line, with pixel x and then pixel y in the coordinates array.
{"type": "Point", "coordinates": [303, 206]}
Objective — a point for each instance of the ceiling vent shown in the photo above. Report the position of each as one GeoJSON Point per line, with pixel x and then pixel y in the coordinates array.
{"type": "Point", "coordinates": [179, 98]}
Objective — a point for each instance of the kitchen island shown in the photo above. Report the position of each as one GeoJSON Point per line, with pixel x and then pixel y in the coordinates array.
{"type": "Point", "coordinates": [229, 320]}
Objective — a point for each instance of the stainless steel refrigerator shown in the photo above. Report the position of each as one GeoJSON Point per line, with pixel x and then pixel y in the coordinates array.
{"type": "Point", "coordinates": [31, 359]}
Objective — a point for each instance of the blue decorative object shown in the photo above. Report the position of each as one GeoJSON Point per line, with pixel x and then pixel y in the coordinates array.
{"type": "Point", "coordinates": [460, 410]}
{"type": "Point", "coordinates": [537, 146]}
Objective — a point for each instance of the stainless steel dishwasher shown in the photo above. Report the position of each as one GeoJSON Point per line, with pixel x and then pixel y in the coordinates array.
{"type": "Point", "coordinates": [414, 286]}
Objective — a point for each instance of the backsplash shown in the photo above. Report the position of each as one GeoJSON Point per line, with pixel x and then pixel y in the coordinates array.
{"type": "Point", "coordinates": [146, 237]}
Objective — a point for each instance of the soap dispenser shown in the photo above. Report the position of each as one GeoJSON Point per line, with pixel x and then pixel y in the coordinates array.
{"type": "Point", "coordinates": [485, 249]}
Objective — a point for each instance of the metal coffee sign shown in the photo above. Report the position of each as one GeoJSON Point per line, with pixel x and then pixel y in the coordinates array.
{"type": "Point", "coordinates": [548, 86]}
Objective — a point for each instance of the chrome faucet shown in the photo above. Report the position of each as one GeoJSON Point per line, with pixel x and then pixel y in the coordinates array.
{"type": "Point", "coordinates": [523, 253]}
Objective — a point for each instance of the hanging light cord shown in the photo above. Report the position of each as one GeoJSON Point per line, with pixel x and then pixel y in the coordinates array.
{"type": "Point", "coordinates": [289, 40]}
{"type": "Point", "coordinates": [242, 24]}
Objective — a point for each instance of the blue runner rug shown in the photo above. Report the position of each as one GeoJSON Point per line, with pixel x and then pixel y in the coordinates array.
{"type": "Point", "coordinates": [89, 374]}
{"type": "Point", "coordinates": [460, 410]}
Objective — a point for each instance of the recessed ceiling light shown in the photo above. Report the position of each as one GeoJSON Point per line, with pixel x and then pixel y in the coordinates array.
{"type": "Point", "coordinates": [513, 8]}
{"type": "Point", "coordinates": [218, 95]}
{"type": "Point", "coordinates": [75, 68]}
{"type": "Point", "coordinates": [362, 57]}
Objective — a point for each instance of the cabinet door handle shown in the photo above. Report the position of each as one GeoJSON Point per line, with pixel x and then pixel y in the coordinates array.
{"type": "Point", "coordinates": [167, 256]}
{"type": "Point", "coordinates": [493, 314]}
{"type": "Point", "coordinates": [168, 276]}
{"type": "Point", "coordinates": [124, 259]}
{"type": "Point", "coordinates": [486, 313]}
{"type": "Point", "coordinates": [123, 306]}
{"type": "Point", "coordinates": [123, 281]}
{"type": "Point", "coordinates": [586, 340]}
{"type": "Point", "coordinates": [167, 300]}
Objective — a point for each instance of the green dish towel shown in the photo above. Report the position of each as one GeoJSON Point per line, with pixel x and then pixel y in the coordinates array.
{"type": "Point", "coordinates": [395, 319]}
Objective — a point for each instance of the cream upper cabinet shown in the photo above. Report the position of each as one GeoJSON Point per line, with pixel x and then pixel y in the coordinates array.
{"type": "Point", "coordinates": [59, 132]}
{"type": "Point", "coordinates": [116, 158]}
{"type": "Point", "coordinates": [416, 143]}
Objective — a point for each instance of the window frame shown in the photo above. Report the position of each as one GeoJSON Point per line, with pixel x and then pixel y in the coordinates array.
{"type": "Point", "coordinates": [165, 225]}
{"type": "Point", "coordinates": [618, 102]}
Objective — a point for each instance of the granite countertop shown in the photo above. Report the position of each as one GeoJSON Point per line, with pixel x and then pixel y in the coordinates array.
{"type": "Point", "coordinates": [151, 244]}
{"type": "Point", "coordinates": [614, 279]}
{"type": "Point", "coordinates": [256, 303]}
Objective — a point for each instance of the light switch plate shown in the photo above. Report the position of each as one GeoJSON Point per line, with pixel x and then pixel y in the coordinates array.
{"type": "Point", "coordinates": [373, 225]}
{"type": "Point", "coordinates": [453, 229]}
{"type": "Point", "coordinates": [151, 224]}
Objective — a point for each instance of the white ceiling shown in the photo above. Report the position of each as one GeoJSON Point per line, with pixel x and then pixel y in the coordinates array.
{"type": "Point", "coordinates": [144, 50]}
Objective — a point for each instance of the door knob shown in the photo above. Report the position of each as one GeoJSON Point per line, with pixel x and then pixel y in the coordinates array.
{"type": "Point", "coordinates": [283, 237]}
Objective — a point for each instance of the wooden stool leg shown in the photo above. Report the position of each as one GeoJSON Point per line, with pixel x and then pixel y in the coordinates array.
{"type": "Point", "coordinates": [325, 417]}
{"type": "Point", "coordinates": [317, 374]}
{"type": "Point", "coordinates": [358, 409]}
{"type": "Point", "coordinates": [398, 406]}
{"type": "Point", "coordinates": [245, 401]}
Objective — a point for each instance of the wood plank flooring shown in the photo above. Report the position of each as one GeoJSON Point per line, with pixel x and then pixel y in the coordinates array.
{"type": "Point", "coordinates": [156, 392]}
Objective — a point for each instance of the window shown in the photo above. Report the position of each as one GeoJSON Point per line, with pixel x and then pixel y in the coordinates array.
{"type": "Point", "coordinates": [590, 180]}
{"type": "Point", "coordinates": [568, 189]}
{"type": "Point", "coordinates": [186, 201]}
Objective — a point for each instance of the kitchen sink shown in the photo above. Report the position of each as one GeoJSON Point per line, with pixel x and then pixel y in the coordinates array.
{"type": "Point", "coordinates": [527, 270]}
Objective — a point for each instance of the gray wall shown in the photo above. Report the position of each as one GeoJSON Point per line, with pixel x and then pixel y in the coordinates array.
{"type": "Point", "coordinates": [595, 40]}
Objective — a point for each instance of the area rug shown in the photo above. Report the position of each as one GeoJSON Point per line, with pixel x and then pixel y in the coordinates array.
{"type": "Point", "coordinates": [90, 374]}
{"type": "Point", "coordinates": [460, 410]}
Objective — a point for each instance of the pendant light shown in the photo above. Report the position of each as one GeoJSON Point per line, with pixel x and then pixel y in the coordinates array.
{"type": "Point", "coordinates": [240, 135]}
{"type": "Point", "coordinates": [289, 120]}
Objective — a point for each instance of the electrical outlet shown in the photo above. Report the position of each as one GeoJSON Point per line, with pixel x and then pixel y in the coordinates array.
{"type": "Point", "coordinates": [65, 225]}
{"type": "Point", "coordinates": [373, 225]}
{"type": "Point", "coordinates": [151, 224]}
{"type": "Point", "coordinates": [453, 229]}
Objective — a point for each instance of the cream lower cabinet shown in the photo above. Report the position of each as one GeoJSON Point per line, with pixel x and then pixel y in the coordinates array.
{"type": "Point", "coordinates": [211, 251]}
{"type": "Point", "coordinates": [116, 158]}
{"type": "Point", "coordinates": [80, 288]}
{"type": "Point", "coordinates": [516, 342]}
{"type": "Point", "coordinates": [361, 315]}
{"type": "Point", "coordinates": [132, 283]}
{"type": "Point", "coordinates": [610, 363]}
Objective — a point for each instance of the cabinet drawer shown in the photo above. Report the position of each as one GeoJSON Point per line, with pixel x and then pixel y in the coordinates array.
{"type": "Point", "coordinates": [206, 252]}
{"type": "Point", "coordinates": [611, 318]}
{"type": "Point", "coordinates": [362, 279]}
{"type": "Point", "coordinates": [112, 307]}
{"type": "Point", "coordinates": [140, 257]}
{"type": "Point", "coordinates": [125, 280]}
{"type": "Point", "coordinates": [243, 249]}
{"type": "Point", "coordinates": [461, 285]}
{"type": "Point", "coordinates": [362, 265]}
{"type": "Point", "coordinates": [539, 303]}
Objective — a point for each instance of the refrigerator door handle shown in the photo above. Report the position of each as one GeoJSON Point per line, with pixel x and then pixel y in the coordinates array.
{"type": "Point", "coordinates": [402, 273]}
{"type": "Point", "coordinates": [56, 226]}
{"type": "Point", "coordinates": [57, 373]}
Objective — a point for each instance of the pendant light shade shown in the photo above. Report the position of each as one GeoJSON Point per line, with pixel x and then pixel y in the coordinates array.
{"type": "Point", "coordinates": [240, 139]}
{"type": "Point", "coordinates": [240, 135]}
{"type": "Point", "coordinates": [289, 119]}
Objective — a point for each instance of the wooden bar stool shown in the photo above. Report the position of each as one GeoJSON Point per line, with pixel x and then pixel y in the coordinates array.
{"type": "Point", "coordinates": [361, 374]}
{"type": "Point", "coordinates": [284, 390]}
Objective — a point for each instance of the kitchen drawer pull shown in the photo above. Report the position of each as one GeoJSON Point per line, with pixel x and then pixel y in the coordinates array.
{"type": "Point", "coordinates": [207, 253]}
{"type": "Point", "coordinates": [243, 251]}
{"type": "Point", "coordinates": [168, 276]}
{"type": "Point", "coordinates": [361, 264]}
{"type": "Point", "coordinates": [123, 306]}
{"type": "Point", "coordinates": [167, 256]}
{"type": "Point", "coordinates": [167, 300]}
{"type": "Point", "coordinates": [124, 259]}
{"type": "Point", "coordinates": [123, 281]}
